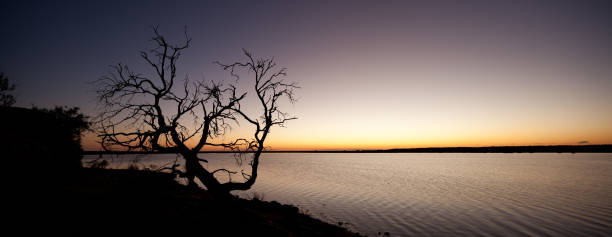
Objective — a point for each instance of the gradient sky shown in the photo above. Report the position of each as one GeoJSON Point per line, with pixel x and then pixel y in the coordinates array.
{"type": "Point", "coordinates": [374, 74]}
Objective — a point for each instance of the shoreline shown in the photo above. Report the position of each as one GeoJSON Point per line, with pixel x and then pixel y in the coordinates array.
{"type": "Point", "coordinates": [131, 199]}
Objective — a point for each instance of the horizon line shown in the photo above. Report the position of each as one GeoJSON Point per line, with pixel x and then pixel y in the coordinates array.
{"type": "Point", "coordinates": [602, 148]}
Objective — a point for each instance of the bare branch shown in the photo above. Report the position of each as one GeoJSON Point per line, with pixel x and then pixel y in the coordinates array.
{"type": "Point", "coordinates": [152, 113]}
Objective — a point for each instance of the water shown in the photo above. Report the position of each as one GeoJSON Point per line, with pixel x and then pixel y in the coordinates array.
{"type": "Point", "coordinates": [410, 194]}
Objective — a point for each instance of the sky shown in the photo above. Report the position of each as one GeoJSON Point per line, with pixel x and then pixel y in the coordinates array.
{"type": "Point", "coordinates": [373, 74]}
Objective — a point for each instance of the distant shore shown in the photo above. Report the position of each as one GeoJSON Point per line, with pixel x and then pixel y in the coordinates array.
{"type": "Point", "coordinates": [606, 148]}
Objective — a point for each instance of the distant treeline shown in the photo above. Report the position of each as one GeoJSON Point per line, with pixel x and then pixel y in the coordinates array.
{"type": "Point", "coordinates": [489, 149]}
{"type": "Point", "coordinates": [512, 149]}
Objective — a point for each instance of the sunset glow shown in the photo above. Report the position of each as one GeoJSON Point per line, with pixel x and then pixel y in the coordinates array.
{"type": "Point", "coordinates": [397, 75]}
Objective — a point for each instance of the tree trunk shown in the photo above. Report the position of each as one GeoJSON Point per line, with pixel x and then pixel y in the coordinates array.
{"type": "Point", "coordinates": [189, 174]}
{"type": "Point", "coordinates": [194, 170]}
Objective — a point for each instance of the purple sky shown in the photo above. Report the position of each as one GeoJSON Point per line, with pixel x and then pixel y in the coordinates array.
{"type": "Point", "coordinates": [373, 73]}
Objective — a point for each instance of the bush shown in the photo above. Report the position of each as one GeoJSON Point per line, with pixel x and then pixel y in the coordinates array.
{"type": "Point", "coordinates": [43, 139]}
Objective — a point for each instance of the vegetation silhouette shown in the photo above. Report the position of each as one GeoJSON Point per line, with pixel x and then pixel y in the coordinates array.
{"type": "Point", "coordinates": [50, 190]}
{"type": "Point", "coordinates": [6, 99]}
{"type": "Point", "coordinates": [42, 153]}
{"type": "Point", "coordinates": [44, 140]}
{"type": "Point", "coordinates": [141, 113]}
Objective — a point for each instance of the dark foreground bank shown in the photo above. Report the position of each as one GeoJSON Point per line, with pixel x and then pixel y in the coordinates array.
{"type": "Point", "coordinates": [100, 200]}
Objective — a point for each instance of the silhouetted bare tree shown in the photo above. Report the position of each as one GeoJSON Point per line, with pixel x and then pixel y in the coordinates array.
{"type": "Point", "coordinates": [6, 99]}
{"type": "Point", "coordinates": [154, 114]}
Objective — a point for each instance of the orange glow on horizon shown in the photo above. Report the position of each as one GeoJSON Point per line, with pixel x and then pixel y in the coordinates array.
{"type": "Point", "coordinates": [280, 144]}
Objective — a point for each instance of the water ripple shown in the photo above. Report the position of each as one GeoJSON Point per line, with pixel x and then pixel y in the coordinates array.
{"type": "Point", "coordinates": [442, 194]}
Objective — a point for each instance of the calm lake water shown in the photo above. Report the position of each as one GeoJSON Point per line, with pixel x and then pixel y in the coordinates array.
{"type": "Point", "coordinates": [433, 194]}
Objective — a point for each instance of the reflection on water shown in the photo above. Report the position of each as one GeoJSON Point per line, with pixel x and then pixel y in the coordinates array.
{"type": "Point", "coordinates": [433, 194]}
